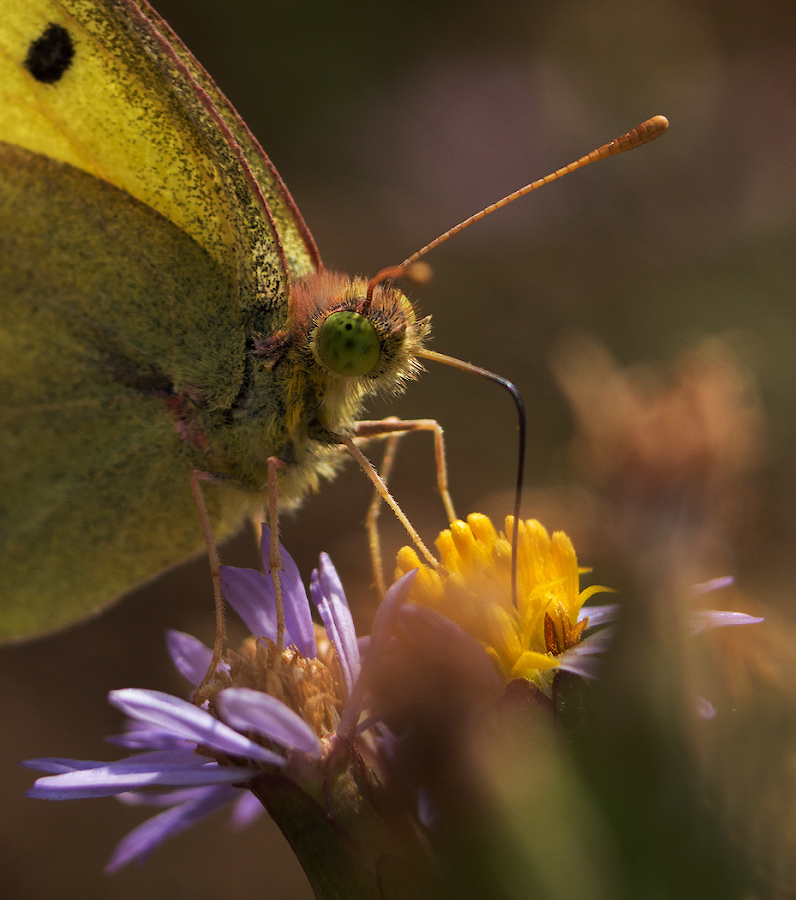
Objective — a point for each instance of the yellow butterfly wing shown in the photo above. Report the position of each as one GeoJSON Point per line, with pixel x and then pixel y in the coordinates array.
{"type": "Point", "coordinates": [133, 107]}
{"type": "Point", "coordinates": [142, 235]}
{"type": "Point", "coordinates": [301, 253]}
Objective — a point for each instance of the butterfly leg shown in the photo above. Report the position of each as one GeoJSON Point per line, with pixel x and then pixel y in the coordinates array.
{"type": "Point", "coordinates": [367, 467]}
{"type": "Point", "coordinates": [274, 561]}
{"type": "Point", "coordinates": [393, 429]}
{"type": "Point", "coordinates": [374, 512]}
{"type": "Point", "coordinates": [276, 465]}
{"type": "Point", "coordinates": [215, 574]}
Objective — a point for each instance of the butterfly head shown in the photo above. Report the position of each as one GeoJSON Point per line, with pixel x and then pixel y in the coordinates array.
{"type": "Point", "coordinates": [339, 336]}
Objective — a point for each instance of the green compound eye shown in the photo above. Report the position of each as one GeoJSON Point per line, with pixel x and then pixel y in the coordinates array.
{"type": "Point", "coordinates": [348, 344]}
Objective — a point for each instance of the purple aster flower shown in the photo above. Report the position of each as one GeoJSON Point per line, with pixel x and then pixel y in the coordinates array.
{"type": "Point", "coordinates": [268, 713]}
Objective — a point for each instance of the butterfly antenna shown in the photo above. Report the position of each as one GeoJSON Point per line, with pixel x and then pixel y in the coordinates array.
{"type": "Point", "coordinates": [418, 272]}
{"type": "Point", "coordinates": [641, 134]}
{"type": "Point", "coordinates": [522, 430]}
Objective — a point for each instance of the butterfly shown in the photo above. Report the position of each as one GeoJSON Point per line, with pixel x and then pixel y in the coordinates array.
{"type": "Point", "coordinates": [165, 312]}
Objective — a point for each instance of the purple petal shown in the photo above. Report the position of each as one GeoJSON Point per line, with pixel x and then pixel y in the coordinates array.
{"type": "Point", "coordinates": [714, 584]}
{"type": "Point", "coordinates": [704, 708]}
{"type": "Point", "coordinates": [183, 756]}
{"type": "Point", "coordinates": [251, 595]}
{"type": "Point", "coordinates": [594, 643]}
{"type": "Point", "coordinates": [190, 656]}
{"type": "Point", "coordinates": [170, 796]}
{"type": "Point", "coordinates": [329, 599]}
{"type": "Point", "coordinates": [384, 619]}
{"type": "Point", "coordinates": [383, 624]}
{"type": "Point", "coordinates": [154, 831]}
{"type": "Point", "coordinates": [583, 664]}
{"type": "Point", "coordinates": [116, 778]}
{"type": "Point", "coordinates": [702, 619]}
{"type": "Point", "coordinates": [249, 710]}
{"type": "Point", "coordinates": [298, 618]}
{"type": "Point", "coordinates": [427, 811]}
{"type": "Point", "coordinates": [368, 721]}
{"type": "Point", "coordinates": [246, 810]}
{"type": "Point", "coordinates": [581, 659]}
{"type": "Point", "coordinates": [426, 631]}
{"type": "Point", "coordinates": [58, 765]}
{"type": "Point", "coordinates": [142, 737]}
{"type": "Point", "coordinates": [183, 718]}
{"type": "Point", "coordinates": [599, 615]}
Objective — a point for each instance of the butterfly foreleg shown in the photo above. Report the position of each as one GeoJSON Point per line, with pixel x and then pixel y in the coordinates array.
{"type": "Point", "coordinates": [392, 429]}
{"type": "Point", "coordinates": [367, 467]}
{"type": "Point", "coordinates": [374, 512]}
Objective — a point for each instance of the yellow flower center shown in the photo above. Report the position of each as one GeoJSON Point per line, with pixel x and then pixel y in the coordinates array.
{"type": "Point", "coordinates": [524, 641]}
{"type": "Point", "coordinates": [314, 688]}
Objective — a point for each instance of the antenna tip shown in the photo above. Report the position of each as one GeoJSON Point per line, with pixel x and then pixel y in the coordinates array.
{"type": "Point", "coordinates": [640, 135]}
{"type": "Point", "coordinates": [655, 126]}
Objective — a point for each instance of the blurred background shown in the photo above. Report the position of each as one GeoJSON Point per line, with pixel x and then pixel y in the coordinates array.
{"type": "Point", "coordinates": [645, 309]}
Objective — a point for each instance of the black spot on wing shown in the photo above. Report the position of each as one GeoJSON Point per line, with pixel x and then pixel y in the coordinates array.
{"type": "Point", "coordinates": [50, 55]}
